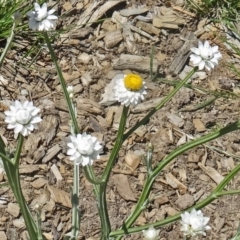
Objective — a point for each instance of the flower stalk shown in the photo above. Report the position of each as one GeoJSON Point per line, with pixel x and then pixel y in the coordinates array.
{"type": "Point", "coordinates": [160, 105]}
{"type": "Point", "coordinates": [102, 204]}
{"type": "Point", "coordinates": [150, 180]}
{"type": "Point", "coordinates": [75, 203]}
{"type": "Point", "coordinates": [12, 172]}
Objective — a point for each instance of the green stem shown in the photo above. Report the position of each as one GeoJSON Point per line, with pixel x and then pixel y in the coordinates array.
{"type": "Point", "coordinates": [103, 213]}
{"type": "Point", "coordinates": [5, 158]}
{"type": "Point", "coordinates": [213, 196]}
{"type": "Point", "coordinates": [75, 203]}
{"type": "Point", "coordinates": [63, 84]}
{"type": "Point", "coordinates": [160, 105]}
{"type": "Point", "coordinates": [12, 171]}
{"type": "Point", "coordinates": [102, 204]}
{"type": "Point", "coordinates": [117, 144]}
{"type": "Point", "coordinates": [151, 178]}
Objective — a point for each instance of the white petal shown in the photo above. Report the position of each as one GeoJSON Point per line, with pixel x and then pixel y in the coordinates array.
{"type": "Point", "coordinates": [201, 65]}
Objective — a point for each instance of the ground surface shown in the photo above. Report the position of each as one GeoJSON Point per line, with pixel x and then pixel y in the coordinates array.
{"type": "Point", "coordinates": [89, 59]}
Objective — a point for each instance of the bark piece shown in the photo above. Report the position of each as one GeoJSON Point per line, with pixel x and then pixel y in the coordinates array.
{"type": "Point", "coordinates": [13, 209]}
{"type": "Point", "coordinates": [38, 183]}
{"type": "Point", "coordinates": [131, 12]}
{"type": "Point", "coordinates": [149, 28]}
{"type": "Point", "coordinates": [53, 151]}
{"type": "Point", "coordinates": [199, 125]}
{"type": "Point", "coordinates": [123, 187]}
{"type": "Point", "coordinates": [134, 62]}
{"type": "Point", "coordinates": [212, 173]}
{"type": "Point", "coordinates": [3, 235]}
{"type": "Point", "coordinates": [159, 24]}
{"type": "Point", "coordinates": [175, 183]}
{"type": "Point", "coordinates": [132, 160]}
{"type": "Point", "coordinates": [56, 173]}
{"type": "Point", "coordinates": [102, 10]}
{"type": "Point", "coordinates": [112, 38]}
{"type": "Point", "coordinates": [60, 196]}
{"type": "Point", "coordinates": [182, 55]}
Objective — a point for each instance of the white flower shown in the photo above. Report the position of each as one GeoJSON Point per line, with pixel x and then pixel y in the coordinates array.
{"type": "Point", "coordinates": [41, 19]}
{"type": "Point", "coordinates": [83, 149]}
{"type": "Point", "coordinates": [22, 117]}
{"type": "Point", "coordinates": [130, 89]}
{"type": "Point", "coordinates": [205, 56]}
{"type": "Point", "coordinates": [151, 234]}
{"type": "Point", "coordinates": [194, 223]}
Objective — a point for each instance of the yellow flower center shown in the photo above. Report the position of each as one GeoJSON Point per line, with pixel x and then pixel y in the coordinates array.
{"type": "Point", "coordinates": [133, 82]}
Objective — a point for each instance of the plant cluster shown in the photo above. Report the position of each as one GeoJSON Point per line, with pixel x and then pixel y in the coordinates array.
{"type": "Point", "coordinates": [84, 149]}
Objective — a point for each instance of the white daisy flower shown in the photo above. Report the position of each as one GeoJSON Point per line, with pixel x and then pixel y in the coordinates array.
{"type": "Point", "coordinates": [205, 56]}
{"type": "Point", "coordinates": [130, 89]}
{"type": "Point", "coordinates": [41, 19]}
{"type": "Point", "coordinates": [83, 149]}
{"type": "Point", "coordinates": [22, 117]}
{"type": "Point", "coordinates": [150, 234]}
{"type": "Point", "coordinates": [194, 223]}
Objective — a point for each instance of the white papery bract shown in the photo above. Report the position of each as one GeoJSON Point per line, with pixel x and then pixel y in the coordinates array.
{"type": "Point", "coordinates": [194, 223]}
{"type": "Point", "coordinates": [22, 117]}
{"type": "Point", "coordinates": [205, 56]}
{"type": "Point", "coordinates": [151, 234]}
{"type": "Point", "coordinates": [41, 19]}
{"type": "Point", "coordinates": [84, 149]}
{"type": "Point", "coordinates": [129, 89]}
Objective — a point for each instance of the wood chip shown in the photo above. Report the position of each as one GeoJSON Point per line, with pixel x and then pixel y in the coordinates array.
{"type": "Point", "coordinates": [123, 187]}
{"type": "Point", "coordinates": [3, 235]}
{"type": "Point", "coordinates": [60, 196]}
{"type": "Point", "coordinates": [132, 160]}
{"type": "Point", "coordinates": [175, 183]}
{"type": "Point", "coordinates": [160, 24]}
{"type": "Point", "coordinates": [199, 125]}
{"type": "Point", "coordinates": [112, 38]}
{"type": "Point", "coordinates": [53, 151]}
{"type": "Point", "coordinates": [13, 209]}
{"type": "Point", "coordinates": [212, 173]}
{"type": "Point", "coordinates": [38, 183]}
{"type": "Point", "coordinates": [102, 10]}
{"type": "Point", "coordinates": [25, 169]}
{"type": "Point", "coordinates": [149, 28]}
{"type": "Point", "coordinates": [131, 12]}
{"type": "Point", "coordinates": [135, 62]}
{"type": "Point", "coordinates": [183, 53]}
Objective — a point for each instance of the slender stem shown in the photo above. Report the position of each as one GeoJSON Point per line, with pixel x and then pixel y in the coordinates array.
{"type": "Point", "coordinates": [103, 212]}
{"type": "Point", "coordinates": [28, 218]}
{"type": "Point", "coordinates": [63, 84]}
{"type": "Point", "coordinates": [102, 204]}
{"type": "Point", "coordinates": [214, 195]}
{"type": "Point", "coordinates": [75, 203]}
{"type": "Point", "coordinates": [5, 158]}
{"type": "Point", "coordinates": [151, 178]}
{"type": "Point", "coordinates": [18, 150]}
{"type": "Point", "coordinates": [12, 171]}
{"type": "Point", "coordinates": [117, 144]}
{"type": "Point", "coordinates": [160, 105]}
{"type": "Point", "coordinates": [91, 178]}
